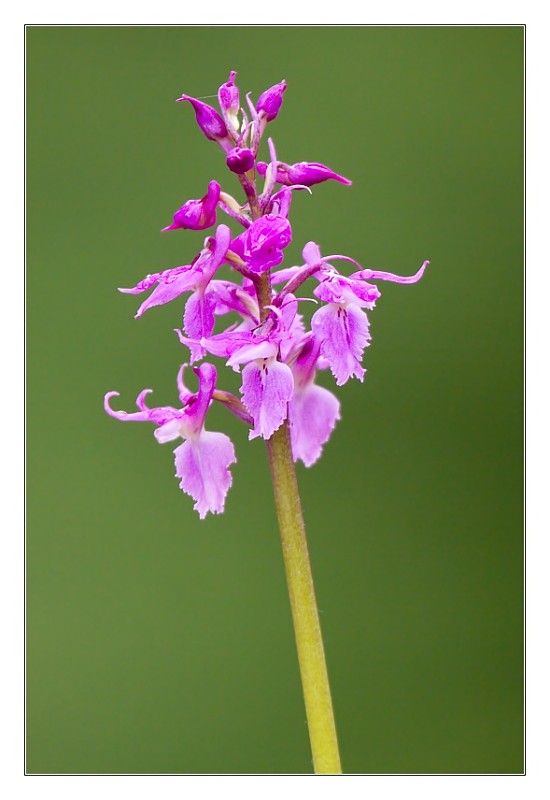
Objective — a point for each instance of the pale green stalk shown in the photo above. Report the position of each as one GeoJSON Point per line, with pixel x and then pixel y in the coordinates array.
{"type": "Point", "coordinates": [307, 629]}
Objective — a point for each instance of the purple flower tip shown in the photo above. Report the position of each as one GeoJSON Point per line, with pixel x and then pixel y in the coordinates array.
{"type": "Point", "coordinates": [240, 160]}
{"type": "Point", "coordinates": [304, 173]}
{"type": "Point", "coordinates": [208, 119]}
{"type": "Point", "coordinates": [228, 95]}
{"type": "Point", "coordinates": [270, 102]}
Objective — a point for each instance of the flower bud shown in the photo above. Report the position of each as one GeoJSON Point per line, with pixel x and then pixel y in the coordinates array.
{"type": "Point", "coordinates": [270, 102]}
{"type": "Point", "coordinates": [305, 173]}
{"type": "Point", "coordinates": [228, 95]}
{"type": "Point", "coordinates": [240, 159]}
{"type": "Point", "coordinates": [261, 245]}
{"type": "Point", "coordinates": [208, 119]}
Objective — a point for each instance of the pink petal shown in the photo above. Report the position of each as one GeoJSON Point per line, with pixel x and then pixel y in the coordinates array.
{"type": "Point", "coordinates": [199, 320]}
{"type": "Point", "coordinates": [203, 463]}
{"type": "Point", "coordinates": [195, 413]}
{"type": "Point", "coordinates": [312, 413]}
{"type": "Point", "coordinates": [168, 431]}
{"type": "Point", "coordinates": [343, 333]}
{"type": "Point", "coordinates": [254, 350]}
{"type": "Point", "coordinates": [165, 292]}
{"type": "Point", "coordinates": [266, 389]}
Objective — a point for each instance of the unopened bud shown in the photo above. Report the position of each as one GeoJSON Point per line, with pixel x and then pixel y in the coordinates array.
{"type": "Point", "coordinates": [208, 119]}
{"type": "Point", "coordinates": [240, 159]}
{"type": "Point", "coordinates": [270, 102]}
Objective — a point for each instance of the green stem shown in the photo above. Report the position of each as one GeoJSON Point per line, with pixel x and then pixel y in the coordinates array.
{"type": "Point", "coordinates": [307, 629]}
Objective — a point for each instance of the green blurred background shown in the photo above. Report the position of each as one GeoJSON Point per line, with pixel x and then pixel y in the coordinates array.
{"type": "Point", "coordinates": [157, 643]}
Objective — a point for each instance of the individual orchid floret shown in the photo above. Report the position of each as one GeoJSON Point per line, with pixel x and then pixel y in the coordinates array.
{"type": "Point", "coordinates": [261, 245]}
{"type": "Point", "coordinates": [336, 288]}
{"type": "Point", "coordinates": [342, 331]}
{"type": "Point", "coordinates": [312, 410]}
{"type": "Point", "coordinates": [197, 215]}
{"type": "Point", "coordinates": [203, 460]}
{"type": "Point", "coordinates": [341, 327]}
{"type": "Point", "coordinates": [304, 173]}
{"type": "Point", "coordinates": [209, 121]}
{"type": "Point", "coordinates": [267, 382]}
{"type": "Point", "coordinates": [279, 204]}
{"type": "Point", "coordinates": [240, 160]}
{"type": "Point", "coordinates": [270, 102]}
{"type": "Point", "coordinates": [228, 98]}
{"type": "Point", "coordinates": [267, 387]}
{"type": "Point", "coordinates": [193, 277]}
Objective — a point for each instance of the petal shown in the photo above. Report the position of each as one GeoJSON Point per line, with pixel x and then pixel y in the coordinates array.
{"type": "Point", "coordinates": [261, 246]}
{"type": "Point", "coordinates": [195, 413]}
{"type": "Point", "coordinates": [203, 463]}
{"type": "Point", "coordinates": [199, 320]}
{"type": "Point", "coordinates": [343, 333]}
{"type": "Point", "coordinates": [376, 275]}
{"type": "Point", "coordinates": [311, 253]}
{"type": "Point", "coordinates": [309, 173]}
{"type": "Point", "coordinates": [335, 288]}
{"type": "Point", "coordinates": [158, 415]}
{"type": "Point", "coordinates": [223, 345]}
{"type": "Point", "coordinates": [208, 119]}
{"type": "Point", "coordinates": [284, 275]}
{"type": "Point", "coordinates": [312, 413]}
{"type": "Point", "coordinates": [266, 389]}
{"type": "Point", "coordinates": [136, 416]}
{"type": "Point", "coordinates": [270, 101]}
{"type": "Point", "coordinates": [167, 291]}
{"type": "Point", "coordinates": [156, 277]}
{"type": "Point", "coordinates": [169, 431]}
{"type": "Point", "coordinates": [306, 357]}
{"type": "Point", "coordinates": [252, 351]}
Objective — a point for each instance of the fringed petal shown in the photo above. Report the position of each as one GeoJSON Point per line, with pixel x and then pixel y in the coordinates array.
{"type": "Point", "coordinates": [266, 389]}
{"type": "Point", "coordinates": [312, 413]}
{"type": "Point", "coordinates": [203, 464]}
{"type": "Point", "coordinates": [343, 332]}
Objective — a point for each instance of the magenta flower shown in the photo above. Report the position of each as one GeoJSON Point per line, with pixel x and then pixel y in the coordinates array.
{"type": "Point", "coordinates": [208, 120]}
{"type": "Point", "coordinates": [193, 277]}
{"type": "Point", "coordinates": [312, 411]}
{"type": "Point", "coordinates": [197, 215]}
{"type": "Point", "coordinates": [240, 160]}
{"type": "Point", "coordinates": [305, 173]}
{"type": "Point", "coordinates": [203, 460]}
{"type": "Point", "coordinates": [266, 389]}
{"type": "Point", "coordinates": [343, 333]}
{"type": "Point", "coordinates": [228, 99]}
{"type": "Point", "coordinates": [270, 102]}
{"type": "Point", "coordinates": [261, 245]}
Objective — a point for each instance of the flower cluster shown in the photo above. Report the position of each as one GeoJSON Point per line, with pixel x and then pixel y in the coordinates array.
{"type": "Point", "coordinates": [278, 358]}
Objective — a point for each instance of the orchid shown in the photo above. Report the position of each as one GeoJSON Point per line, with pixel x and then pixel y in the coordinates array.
{"type": "Point", "coordinates": [204, 458]}
{"type": "Point", "coordinates": [269, 342]}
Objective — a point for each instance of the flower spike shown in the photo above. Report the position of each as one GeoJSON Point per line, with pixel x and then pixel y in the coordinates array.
{"type": "Point", "coordinates": [266, 339]}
